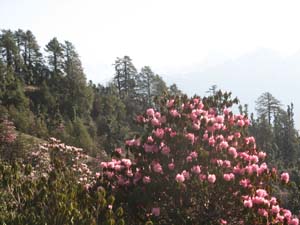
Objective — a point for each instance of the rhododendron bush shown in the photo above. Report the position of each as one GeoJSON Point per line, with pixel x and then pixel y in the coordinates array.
{"type": "Point", "coordinates": [195, 164]}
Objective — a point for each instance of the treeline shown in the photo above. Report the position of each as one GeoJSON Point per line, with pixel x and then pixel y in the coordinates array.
{"type": "Point", "coordinates": [275, 132]}
{"type": "Point", "coordinates": [48, 94]}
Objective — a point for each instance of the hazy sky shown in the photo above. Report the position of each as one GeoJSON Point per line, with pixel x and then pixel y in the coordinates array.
{"type": "Point", "coordinates": [165, 34]}
{"type": "Point", "coordinates": [169, 35]}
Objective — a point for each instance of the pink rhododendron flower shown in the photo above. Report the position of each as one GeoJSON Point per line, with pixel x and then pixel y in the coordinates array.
{"type": "Point", "coordinates": [285, 177]}
{"type": "Point", "coordinates": [146, 179]}
{"type": "Point", "coordinates": [159, 133]}
{"type": "Point", "coordinates": [248, 203]}
{"type": "Point", "coordinates": [196, 169]}
{"type": "Point", "coordinates": [211, 178]}
{"type": "Point", "coordinates": [180, 178]}
{"type": "Point", "coordinates": [171, 166]}
{"type": "Point", "coordinates": [150, 112]}
{"type": "Point", "coordinates": [165, 150]}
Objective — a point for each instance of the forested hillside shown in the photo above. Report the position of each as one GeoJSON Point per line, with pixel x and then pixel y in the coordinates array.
{"type": "Point", "coordinates": [44, 94]}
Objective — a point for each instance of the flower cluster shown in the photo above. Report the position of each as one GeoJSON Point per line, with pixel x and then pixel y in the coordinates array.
{"type": "Point", "coordinates": [191, 154]}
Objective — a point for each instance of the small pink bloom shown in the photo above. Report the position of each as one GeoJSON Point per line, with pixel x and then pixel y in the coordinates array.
{"type": "Point", "coordinates": [157, 167]}
{"type": "Point", "coordinates": [232, 151]}
{"type": "Point", "coordinates": [118, 150]}
{"type": "Point", "coordinates": [285, 177]}
{"type": "Point", "coordinates": [171, 166]}
{"type": "Point", "coordinates": [275, 209]}
{"type": "Point", "coordinates": [228, 176]}
{"type": "Point", "coordinates": [262, 155]}
{"type": "Point", "coordinates": [211, 178]}
{"type": "Point", "coordinates": [263, 212]}
{"type": "Point", "coordinates": [202, 177]}
{"type": "Point", "coordinates": [179, 178]}
{"type": "Point", "coordinates": [191, 137]}
{"type": "Point", "coordinates": [223, 221]}
{"type": "Point", "coordinates": [159, 133]}
{"type": "Point", "coordinates": [150, 112]}
{"type": "Point", "coordinates": [146, 179]}
{"type": "Point", "coordinates": [261, 193]}
{"type": "Point", "coordinates": [155, 122]}
{"type": "Point", "coordinates": [194, 155]}
{"type": "Point", "coordinates": [174, 113]}
{"type": "Point", "coordinates": [248, 203]}
{"type": "Point", "coordinates": [165, 150]}
{"type": "Point", "coordinates": [226, 111]}
{"type": "Point", "coordinates": [170, 103]}
{"type": "Point", "coordinates": [294, 221]}
{"type": "Point", "coordinates": [240, 123]}
{"type": "Point", "coordinates": [196, 169]}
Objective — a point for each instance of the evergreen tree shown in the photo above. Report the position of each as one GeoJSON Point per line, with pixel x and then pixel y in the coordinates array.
{"type": "Point", "coordinates": [174, 90]}
{"type": "Point", "coordinates": [267, 105]}
{"type": "Point", "coordinates": [124, 78]}
{"type": "Point", "coordinates": [9, 50]}
{"type": "Point", "coordinates": [79, 97]}
{"type": "Point", "coordinates": [55, 57]}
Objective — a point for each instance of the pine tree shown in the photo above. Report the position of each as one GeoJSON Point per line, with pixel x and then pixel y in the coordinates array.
{"type": "Point", "coordinates": [267, 105]}
{"type": "Point", "coordinates": [55, 57]}
{"type": "Point", "coordinates": [124, 78]}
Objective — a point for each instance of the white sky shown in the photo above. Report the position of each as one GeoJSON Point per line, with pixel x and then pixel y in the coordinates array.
{"type": "Point", "coordinates": [169, 35]}
{"type": "Point", "coordinates": [160, 33]}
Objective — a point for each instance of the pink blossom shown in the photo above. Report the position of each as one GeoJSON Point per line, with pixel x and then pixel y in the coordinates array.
{"type": "Point", "coordinates": [285, 177]}
{"type": "Point", "coordinates": [202, 177]}
{"type": "Point", "coordinates": [273, 200]}
{"type": "Point", "coordinates": [171, 166]}
{"type": "Point", "coordinates": [186, 174]}
{"type": "Point", "coordinates": [211, 141]}
{"type": "Point", "coordinates": [220, 119]}
{"type": "Point", "coordinates": [170, 103]}
{"type": "Point", "coordinates": [196, 169]}
{"type": "Point", "coordinates": [262, 155]}
{"type": "Point", "coordinates": [155, 122]}
{"type": "Point", "coordinates": [228, 176]}
{"type": "Point", "coordinates": [294, 221]}
{"type": "Point", "coordinates": [224, 145]}
{"type": "Point", "coordinates": [223, 221]}
{"type": "Point", "coordinates": [248, 203]}
{"type": "Point", "coordinates": [191, 137]}
{"type": "Point", "coordinates": [150, 112]}
{"type": "Point", "coordinates": [261, 193]}
{"type": "Point", "coordinates": [119, 150]}
{"type": "Point", "coordinates": [146, 179]}
{"type": "Point", "coordinates": [275, 209]}
{"type": "Point", "coordinates": [165, 150]}
{"type": "Point", "coordinates": [180, 178]}
{"type": "Point", "coordinates": [157, 167]}
{"type": "Point", "coordinates": [194, 154]}
{"type": "Point", "coordinates": [211, 178]}
{"type": "Point", "coordinates": [159, 133]}
{"type": "Point", "coordinates": [150, 139]}
{"type": "Point", "coordinates": [232, 151]}
{"type": "Point", "coordinates": [263, 212]}
{"type": "Point", "coordinates": [226, 111]}
{"type": "Point", "coordinates": [126, 162]}
{"type": "Point", "coordinates": [174, 113]}
{"type": "Point", "coordinates": [245, 182]}
{"type": "Point", "coordinates": [189, 158]}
